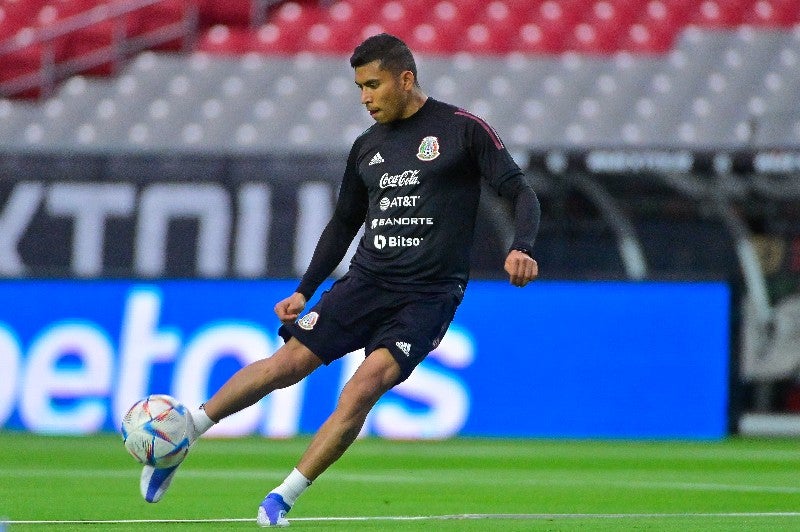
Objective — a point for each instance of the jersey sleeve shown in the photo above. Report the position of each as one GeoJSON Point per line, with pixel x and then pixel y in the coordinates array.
{"type": "Point", "coordinates": [348, 216]}
{"type": "Point", "coordinates": [498, 168]}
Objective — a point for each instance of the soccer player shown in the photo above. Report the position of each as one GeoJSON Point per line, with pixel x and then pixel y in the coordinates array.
{"type": "Point", "coordinates": [413, 181]}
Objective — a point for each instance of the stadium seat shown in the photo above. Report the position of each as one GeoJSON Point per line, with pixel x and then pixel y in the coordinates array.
{"type": "Point", "coordinates": [225, 12]}
{"type": "Point", "coordinates": [24, 63]}
{"type": "Point", "coordinates": [427, 38]}
{"type": "Point", "coordinates": [150, 20]}
{"type": "Point", "coordinates": [717, 13]}
{"type": "Point", "coordinates": [15, 15]}
{"type": "Point", "coordinates": [294, 17]}
{"type": "Point", "coordinates": [223, 39]}
{"type": "Point", "coordinates": [646, 39]}
{"type": "Point", "coordinates": [395, 17]}
{"type": "Point", "coordinates": [780, 13]}
{"type": "Point", "coordinates": [86, 46]}
{"type": "Point", "coordinates": [274, 39]}
{"type": "Point", "coordinates": [533, 38]}
{"type": "Point", "coordinates": [480, 38]}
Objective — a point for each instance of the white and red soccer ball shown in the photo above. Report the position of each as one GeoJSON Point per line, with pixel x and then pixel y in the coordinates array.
{"type": "Point", "coordinates": [156, 431]}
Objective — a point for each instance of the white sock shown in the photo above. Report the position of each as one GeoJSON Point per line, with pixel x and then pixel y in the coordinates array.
{"type": "Point", "coordinates": [201, 422]}
{"type": "Point", "coordinates": [294, 486]}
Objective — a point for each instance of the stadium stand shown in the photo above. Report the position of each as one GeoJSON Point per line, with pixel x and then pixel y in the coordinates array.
{"type": "Point", "coordinates": [576, 73]}
{"type": "Point", "coordinates": [721, 89]}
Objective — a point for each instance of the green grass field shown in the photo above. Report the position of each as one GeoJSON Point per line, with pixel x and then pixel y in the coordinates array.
{"type": "Point", "coordinates": [90, 483]}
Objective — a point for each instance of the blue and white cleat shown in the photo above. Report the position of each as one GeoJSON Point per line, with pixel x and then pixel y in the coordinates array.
{"type": "Point", "coordinates": [272, 511]}
{"type": "Point", "coordinates": [154, 482]}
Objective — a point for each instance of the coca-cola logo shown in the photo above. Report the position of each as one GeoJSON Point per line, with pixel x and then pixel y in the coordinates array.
{"type": "Point", "coordinates": [409, 177]}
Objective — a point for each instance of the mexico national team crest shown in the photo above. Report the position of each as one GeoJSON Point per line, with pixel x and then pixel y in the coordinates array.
{"type": "Point", "coordinates": [308, 321]}
{"type": "Point", "coordinates": [428, 149]}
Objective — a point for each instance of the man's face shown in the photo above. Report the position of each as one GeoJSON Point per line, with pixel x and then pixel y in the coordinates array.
{"type": "Point", "coordinates": [385, 95]}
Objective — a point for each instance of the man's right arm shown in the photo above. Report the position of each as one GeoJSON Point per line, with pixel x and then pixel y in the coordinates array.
{"type": "Point", "coordinates": [347, 219]}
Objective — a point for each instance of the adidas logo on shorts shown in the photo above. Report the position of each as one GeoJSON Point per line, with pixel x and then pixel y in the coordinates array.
{"type": "Point", "coordinates": [405, 347]}
{"type": "Point", "coordinates": [376, 159]}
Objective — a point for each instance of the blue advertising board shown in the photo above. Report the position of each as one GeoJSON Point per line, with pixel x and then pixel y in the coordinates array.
{"type": "Point", "coordinates": [555, 359]}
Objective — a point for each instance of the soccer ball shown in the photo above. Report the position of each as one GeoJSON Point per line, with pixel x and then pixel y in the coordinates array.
{"type": "Point", "coordinates": [156, 431]}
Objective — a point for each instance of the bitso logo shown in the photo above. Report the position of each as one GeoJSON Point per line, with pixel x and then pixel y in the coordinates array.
{"type": "Point", "coordinates": [381, 242]}
{"type": "Point", "coordinates": [428, 149]}
{"type": "Point", "coordinates": [308, 321]}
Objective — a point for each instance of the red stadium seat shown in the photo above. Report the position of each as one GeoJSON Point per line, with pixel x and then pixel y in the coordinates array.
{"type": "Point", "coordinates": [27, 61]}
{"type": "Point", "coordinates": [532, 38]}
{"type": "Point", "coordinates": [346, 21]}
{"type": "Point", "coordinates": [780, 13]}
{"type": "Point", "coordinates": [649, 39]}
{"type": "Point", "coordinates": [718, 13]}
{"type": "Point", "coordinates": [447, 14]}
{"type": "Point", "coordinates": [502, 19]}
{"type": "Point", "coordinates": [295, 17]}
{"type": "Point", "coordinates": [226, 12]}
{"type": "Point", "coordinates": [86, 45]}
{"type": "Point", "coordinates": [226, 40]}
{"type": "Point", "coordinates": [663, 14]}
{"type": "Point", "coordinates": [395, 17]}
{"type": "Point", "coordinates": [327, 38]}
{"type": "Point", "coordinates": [149, 20]}
{"type": "Point", "coordinates": [273, 39]}
{"type": "Point", "coordinates": [590, 38]}
{"type": "Point", "coordinates": [19, 14]}
{"type": "Point", "coordinates": [480, 38]}
{"type": "Point", "coordinates": [556, 17]}
{"type": "Point", "coordinates": [429, 39]}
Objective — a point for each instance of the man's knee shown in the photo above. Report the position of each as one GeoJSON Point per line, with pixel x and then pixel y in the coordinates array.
{"type": "Point", "coordinates": [294, 361]}
{"type": "Point", "coordinates": [374, 377]}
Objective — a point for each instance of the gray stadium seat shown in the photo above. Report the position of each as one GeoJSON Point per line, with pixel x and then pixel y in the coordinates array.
{"type": "Point", "coordinates": [725, 89]}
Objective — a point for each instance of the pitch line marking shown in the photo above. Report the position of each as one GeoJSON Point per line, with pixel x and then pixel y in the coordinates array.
{"type": "Point", "coordinates": [442, 478]}
{"type": "Point", "coordinates": [413, 518]}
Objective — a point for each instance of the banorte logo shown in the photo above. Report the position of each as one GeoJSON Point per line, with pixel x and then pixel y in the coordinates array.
{"type": "Point", "coordinates": [408, 177]}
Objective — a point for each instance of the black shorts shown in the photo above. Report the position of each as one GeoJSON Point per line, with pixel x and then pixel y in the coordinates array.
{"type": "Point", "coordinates": [357, 313]}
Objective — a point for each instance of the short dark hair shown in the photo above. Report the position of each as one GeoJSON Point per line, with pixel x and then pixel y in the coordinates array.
{"type": "Point", "coordinates": [392, 52]}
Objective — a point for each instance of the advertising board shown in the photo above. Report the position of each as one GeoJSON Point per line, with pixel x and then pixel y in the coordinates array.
{"type": "Point", "coordinates": [555, 359]}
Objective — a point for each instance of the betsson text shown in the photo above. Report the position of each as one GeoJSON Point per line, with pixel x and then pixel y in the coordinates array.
{"type": "Point", "coordinates": [77, 377]}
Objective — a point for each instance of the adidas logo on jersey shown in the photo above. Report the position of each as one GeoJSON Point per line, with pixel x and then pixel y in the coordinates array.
{"type": "Point", "coordinates": [376, 159]}
{"type": "Point", "coordinates": [405, 347]}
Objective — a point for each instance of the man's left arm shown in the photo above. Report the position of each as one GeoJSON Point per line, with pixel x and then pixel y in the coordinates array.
{"type": "Point", "coordinates": [520, 265]}
{"type": "Point", "coordinates": [502, 173]}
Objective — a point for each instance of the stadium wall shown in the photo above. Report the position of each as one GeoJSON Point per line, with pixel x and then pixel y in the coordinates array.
{"type": "Point", "coordinates": [201, 215]}
{"type": "Point", "coordinates": [177, 215]}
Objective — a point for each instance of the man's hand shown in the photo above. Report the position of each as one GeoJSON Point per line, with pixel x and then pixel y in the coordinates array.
{"type": "Point", "coordinates": [290, 308]}
{"type": "Point", "coordinates": [521, 268]}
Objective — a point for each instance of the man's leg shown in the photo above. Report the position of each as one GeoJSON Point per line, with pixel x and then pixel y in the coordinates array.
{"type": "Point", "coordinates": [376, 375]}
{"type": "Point", "coordinates": [290, 364]}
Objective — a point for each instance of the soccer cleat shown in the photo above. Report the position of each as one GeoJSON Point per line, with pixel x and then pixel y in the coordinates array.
{"type": "Point", "coordinates": [272, 511]}
{"type": "Point", "coordinates": [154, 482]}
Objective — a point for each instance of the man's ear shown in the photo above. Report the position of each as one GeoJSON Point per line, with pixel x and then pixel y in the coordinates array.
{"type": "Point", "coordinates": [408, 79]}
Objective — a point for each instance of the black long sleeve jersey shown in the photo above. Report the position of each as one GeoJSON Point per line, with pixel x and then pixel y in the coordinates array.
{"type": "Point", "coordinates": [415, 185]}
